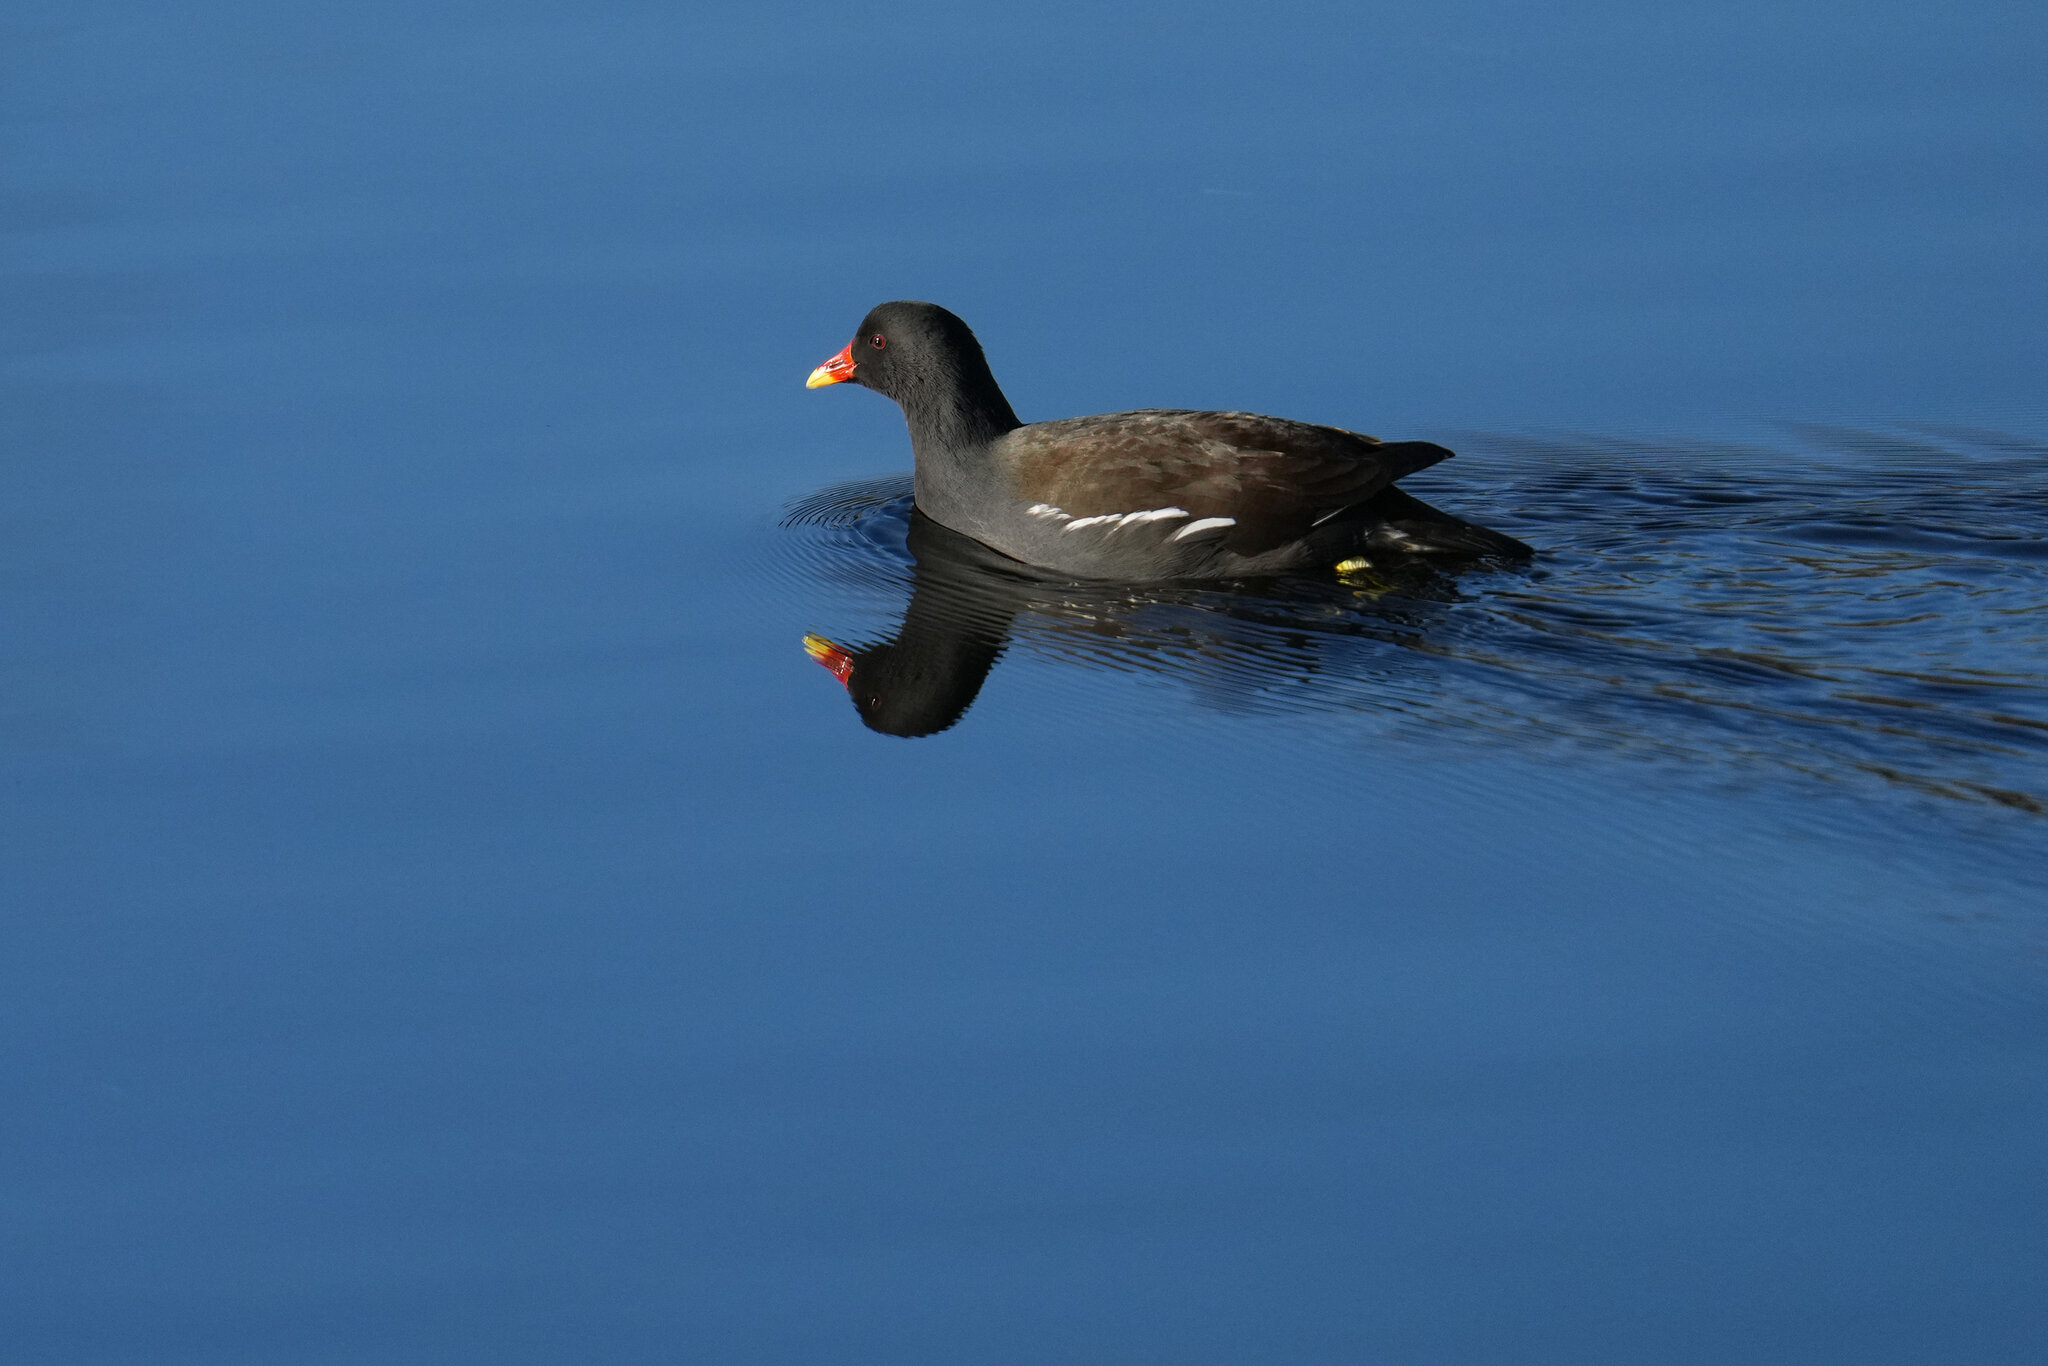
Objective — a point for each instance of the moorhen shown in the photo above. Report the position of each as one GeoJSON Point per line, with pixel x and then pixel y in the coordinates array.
{"type": "Point", "coordinates": [1160, 493]}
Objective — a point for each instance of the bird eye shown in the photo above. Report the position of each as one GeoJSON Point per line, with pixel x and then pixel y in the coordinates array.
{"type": "Point", "coordinates": [878, 341]}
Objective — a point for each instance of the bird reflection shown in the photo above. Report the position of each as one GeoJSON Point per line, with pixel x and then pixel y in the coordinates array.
{"type": "Point", "coordinates": [966, 601]}
{"type": "Point", "coordinates": [963, 600]}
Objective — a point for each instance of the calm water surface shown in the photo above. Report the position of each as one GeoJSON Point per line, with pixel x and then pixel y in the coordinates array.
{"type": "Point", "coordinates": [445, 916]}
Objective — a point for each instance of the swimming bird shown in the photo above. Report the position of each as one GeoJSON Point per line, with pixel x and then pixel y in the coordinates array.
{"type": "Point", "coordinates": [1158, 493]}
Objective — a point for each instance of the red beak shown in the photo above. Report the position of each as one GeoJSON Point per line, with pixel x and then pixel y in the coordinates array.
{"type": "Point", "coordinates": [832, 371]}
{"type": "Point", "coordinates": [828, 654]}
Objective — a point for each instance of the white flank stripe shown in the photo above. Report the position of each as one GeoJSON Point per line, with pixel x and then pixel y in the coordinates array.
{"type": "Point", "coordinates": [1206, 524]}
{"type": "Point", "coordinates": [1116, 521]}
{"type": "Point", "coordinates": [1048, 510]}
{"type": "Point", "coordinates": [1155, 515]}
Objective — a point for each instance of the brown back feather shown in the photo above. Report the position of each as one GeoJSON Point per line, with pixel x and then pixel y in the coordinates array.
{"type": "Point", "coordinates": [1277, 477]}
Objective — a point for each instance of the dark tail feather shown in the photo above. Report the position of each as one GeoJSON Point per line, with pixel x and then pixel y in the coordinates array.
{"type": "Point", "coordinates": [1409, 526]}
{"type": "Point", "coordinates": [1403, 458]}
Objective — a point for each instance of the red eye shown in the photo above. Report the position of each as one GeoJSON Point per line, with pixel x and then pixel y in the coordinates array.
{"type": "Point", "coordinates": [878, 341]}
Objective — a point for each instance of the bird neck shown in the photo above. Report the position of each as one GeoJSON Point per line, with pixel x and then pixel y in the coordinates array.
{"type": "Point", "coordinates": [954, 418]}
{"type": "Point", "coordinates": [956, 412]}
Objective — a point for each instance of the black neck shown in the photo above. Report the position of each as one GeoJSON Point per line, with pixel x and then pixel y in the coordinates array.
{"type": "Point", "coordinates": [955, 411]}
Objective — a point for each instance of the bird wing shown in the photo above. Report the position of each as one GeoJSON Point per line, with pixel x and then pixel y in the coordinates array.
{"type": "Point", "coordinates": [1274, 478]}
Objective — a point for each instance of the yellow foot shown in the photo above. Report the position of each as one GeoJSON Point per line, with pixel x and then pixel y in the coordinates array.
{"type": "Point", "coordinates": [1358, 573]}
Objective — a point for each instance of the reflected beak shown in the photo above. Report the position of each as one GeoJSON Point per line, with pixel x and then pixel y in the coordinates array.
{"type": "Point", "coordinates": [832, 371]}
{"type": "Point", "coordinates": [817, 647]}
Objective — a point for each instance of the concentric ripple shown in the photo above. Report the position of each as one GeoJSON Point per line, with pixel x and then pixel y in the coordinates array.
{"type": "Point", "coordinates": [1857, 607]}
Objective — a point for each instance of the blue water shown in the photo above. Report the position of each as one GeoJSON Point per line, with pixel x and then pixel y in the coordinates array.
{"type": "Point", "coordinates": [444, 916]}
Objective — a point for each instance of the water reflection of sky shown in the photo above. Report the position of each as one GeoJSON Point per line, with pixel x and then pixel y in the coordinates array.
{"type": "Point", "coordinates": [446, 918]}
